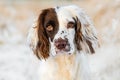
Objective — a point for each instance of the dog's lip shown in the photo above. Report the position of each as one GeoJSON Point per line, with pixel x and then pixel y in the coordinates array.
{"type": "Point", "coordinates": [66, 49]}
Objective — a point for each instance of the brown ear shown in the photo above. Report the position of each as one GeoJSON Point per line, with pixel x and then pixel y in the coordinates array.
{"type": "Point", "coordinates": [85, 37]}
{"type": "Point", "coordinates": [42, 47]}
{"type": "Point", "coordinates": [78, 34]}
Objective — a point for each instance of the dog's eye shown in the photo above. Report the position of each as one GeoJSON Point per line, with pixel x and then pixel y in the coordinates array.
{"type": "Point", "coordinates": [71, 25]}
{"type": "Point", "coordinates": [49, 28]}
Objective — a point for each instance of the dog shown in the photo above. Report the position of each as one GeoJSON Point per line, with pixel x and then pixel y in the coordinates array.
{"type": "Point", "coordinates": [60, 39]}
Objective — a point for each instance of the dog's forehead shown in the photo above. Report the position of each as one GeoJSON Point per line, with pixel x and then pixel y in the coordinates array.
{"type": "Point", "coordinates": [64, 16]}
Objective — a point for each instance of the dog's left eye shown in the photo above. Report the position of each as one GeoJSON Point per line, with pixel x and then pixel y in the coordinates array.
{"type": "Point", "coordinates": [70, 25]}
{"type": "Point", "coordinates": [49, 28]}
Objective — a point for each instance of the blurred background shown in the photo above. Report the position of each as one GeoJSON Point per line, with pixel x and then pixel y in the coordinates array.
{"type": "Point", "coordinates": [16, 17]}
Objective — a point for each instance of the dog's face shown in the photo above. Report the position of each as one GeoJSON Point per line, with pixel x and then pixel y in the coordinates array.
{"type": "Point", "coordinates": [62, 41]}
{"type": "Point", "coordinates": [62, 30]}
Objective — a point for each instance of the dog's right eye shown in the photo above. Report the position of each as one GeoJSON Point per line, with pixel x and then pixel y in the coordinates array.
{"type": "Point", "coordinates": [49, 28]}
{"type": "Point", "coordinates": [71, 25]}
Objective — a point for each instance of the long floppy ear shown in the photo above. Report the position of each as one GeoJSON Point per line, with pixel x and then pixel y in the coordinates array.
{"type": "Point", "coordinates": [85, 37]}
{"type": "Point", "coordinates": [38, 39]}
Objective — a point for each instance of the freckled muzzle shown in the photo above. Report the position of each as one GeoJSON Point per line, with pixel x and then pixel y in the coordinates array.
{"type": "Point", "coordinates": [62, 45]}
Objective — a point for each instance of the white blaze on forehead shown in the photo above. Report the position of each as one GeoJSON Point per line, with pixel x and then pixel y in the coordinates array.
{"type": "Point", "coordinates": [64, 16]}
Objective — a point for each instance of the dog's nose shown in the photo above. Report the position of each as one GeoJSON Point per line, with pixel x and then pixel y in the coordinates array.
{"type": "Point", "coordinates": [61, 43]}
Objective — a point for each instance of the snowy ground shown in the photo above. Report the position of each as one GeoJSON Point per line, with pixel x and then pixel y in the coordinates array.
{"type": "Point", "coordinates": [105, 64]}
{"type": "Point", "coordinates": [17, 61]}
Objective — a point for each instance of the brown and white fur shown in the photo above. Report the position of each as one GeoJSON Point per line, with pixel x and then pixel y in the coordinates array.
{"type": "Point", "coordinates": [60, 39]}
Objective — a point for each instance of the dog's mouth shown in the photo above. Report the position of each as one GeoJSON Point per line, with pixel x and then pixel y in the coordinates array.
{"type": "Point", "coordinates": [61, 49]}
{"type": "Point", "coordinates": [62, 45]}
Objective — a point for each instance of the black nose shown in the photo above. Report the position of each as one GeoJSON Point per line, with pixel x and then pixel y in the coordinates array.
{"type": "Point", "coordinates": [61, 43]}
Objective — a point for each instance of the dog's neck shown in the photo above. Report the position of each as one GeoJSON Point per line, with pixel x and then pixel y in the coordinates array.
{"type": "Point", "coordinates": [65, 65]}
{"type": "Point", "coordinates": [62, 67]}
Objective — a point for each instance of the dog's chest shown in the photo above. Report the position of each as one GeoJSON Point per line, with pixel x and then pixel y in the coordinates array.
{"type": "Point", "coordinates": [62, 67]}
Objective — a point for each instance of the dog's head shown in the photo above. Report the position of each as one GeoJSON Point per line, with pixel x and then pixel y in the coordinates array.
{"type": "Point", "coordinates": [62, 30]}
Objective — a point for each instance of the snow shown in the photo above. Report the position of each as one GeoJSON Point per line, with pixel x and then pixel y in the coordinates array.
{"type": "Point", "coordinates": [15, 63]}
{"type": "Point", "coordinates": [105, 64]}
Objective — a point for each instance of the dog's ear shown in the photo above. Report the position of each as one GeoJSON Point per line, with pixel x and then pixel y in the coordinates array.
{"type": "Point", "coordinates": [38, 39]}
{"type": "Point", "coordinates": [85, 36]}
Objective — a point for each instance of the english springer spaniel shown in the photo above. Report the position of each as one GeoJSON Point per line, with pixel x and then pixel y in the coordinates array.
{"type": "Point", "coordinates": [60, 39]}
